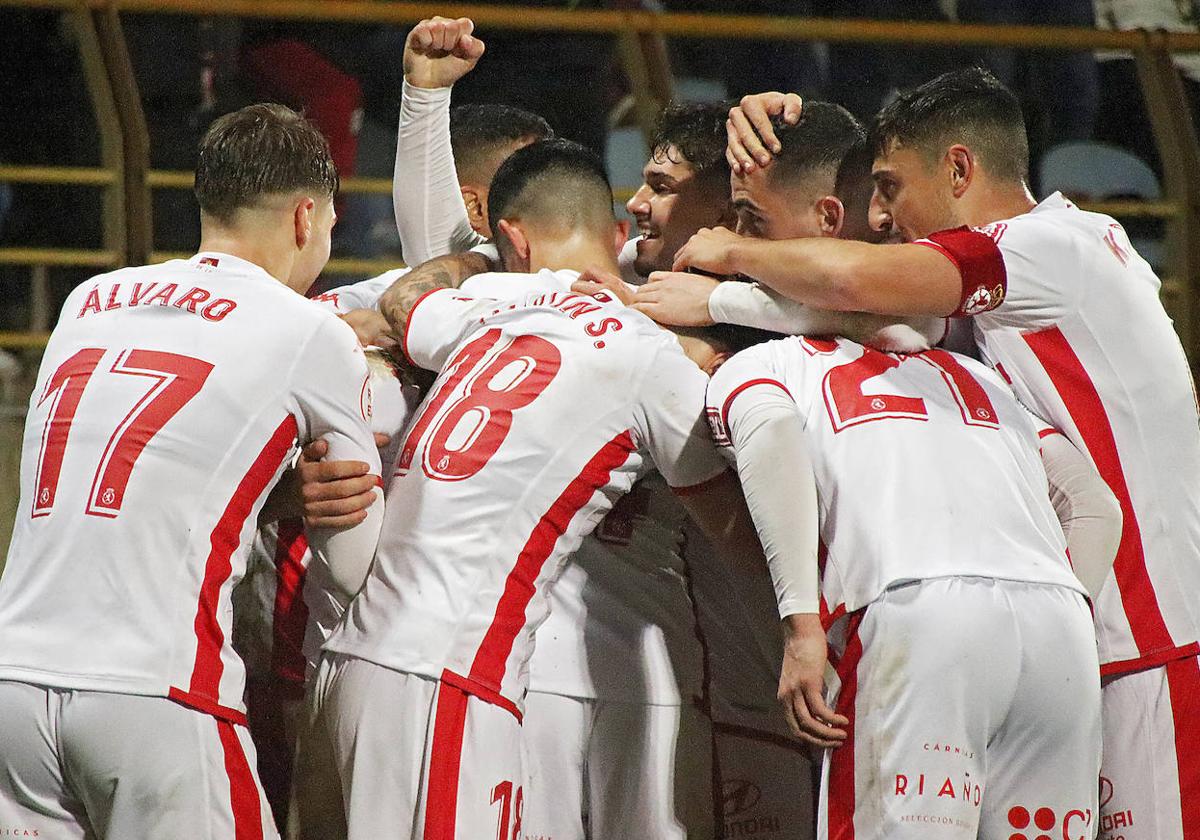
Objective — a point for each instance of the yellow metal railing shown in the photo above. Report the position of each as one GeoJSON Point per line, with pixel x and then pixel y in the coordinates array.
{"type": "Point", "coordinates": [126, 178]}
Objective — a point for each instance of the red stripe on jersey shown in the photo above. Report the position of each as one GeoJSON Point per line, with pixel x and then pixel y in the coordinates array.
{"type": "Point", "coordinates": [203, 704]}
{"type": "Point", "coordinates": [1183, 684]}
{"type": "Point", "coordinates": [486, 694]}
{"type": "Point", "coordinates": [225, 539]}
{"type": "Point", "coordinates": [243, 789]}
{"type": "Point", "coordinates": [840, 805]}
{"type": "Point", "coordinates": [490, 659]}
{"type": "Point", "coordinates": [290, 618]}
{"type": "Point", "coordinates": [445, 762]}
{"type": "Point", "coordinates": [1086, 408]}
{"type": "Point", "coordinates": [749, 383]}
{"type": "Point", "coordinates": [1045, 433]}
{"type": "Point", "coordinates": [1128, 666]}
{"type": "Point", "coordinates": [408, 324]}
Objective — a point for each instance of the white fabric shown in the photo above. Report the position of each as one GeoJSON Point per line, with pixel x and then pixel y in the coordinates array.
{"type": "Point", "coordinates": [882, 451]}
{"type": "Point", "coordinates": [1087, 510]}
{"type": "Point", "coordinates": [777, 478]}
{"type": "Point", "coordinates": [1076, 273]}
{"type": "Point", "coordinates": [755, 305]}
{"type": "Point", "coordinates": [364, 294]}
{"type": "Point", "coordinates": [975, 713]}
{"type": "Point", "coordinates": [430, 214]}
{"type": "Point", "coordinates": [374, 736]}
{"type": "Point", "coordinates": [124, 620]}
{"type": "Point", "coordinates": [485, 514]}
{"type": "Point", "coordinates": [605, 769]}
{"type": "Point", "coordinates": [86, 764]}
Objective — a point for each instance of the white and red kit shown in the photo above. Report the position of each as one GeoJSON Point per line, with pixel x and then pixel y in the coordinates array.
{"type": "Point", "coordinates": [540, 419]}
{"type": "Point", "coordinates": [1069, 313]}
{"type": "Point", "coordinates": [149, 449]}
{"type": "Point", "coordinates": [942, 595]}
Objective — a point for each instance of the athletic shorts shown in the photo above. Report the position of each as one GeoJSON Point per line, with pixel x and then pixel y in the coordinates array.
{"type": "Point", "coordinates": [87, 764]}
{"type": "Point", "coordinates": [600, 769]}
{"type": "Point", "coordinates": [975, 712]}
{"type": "Point", "coordinates": [1150, 779]}
{"type": "Point", "coordinates": [388, 755]}
{"type": "Point", "coordinates": [767, 785]}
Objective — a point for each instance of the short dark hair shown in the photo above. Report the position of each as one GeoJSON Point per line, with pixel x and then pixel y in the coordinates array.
{"type": "Point", "coordinates": [551, 181]}
{"type": "Point", "coordinates": [732, 338]}
{"type": "Point", "coordinates": [817, 143]}
{"type": "Point", "coordinates": [969, 106]}
{"type": "Point", "coordinates": [261, 150]}
{"type": "Point", "coordinates": [697, 132]}
{"type": "Point", "coordinates": [478, 132]}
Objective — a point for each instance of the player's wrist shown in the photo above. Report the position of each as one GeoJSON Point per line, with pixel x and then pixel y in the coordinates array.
{"type": "Point", "coordinates": [802, 625]}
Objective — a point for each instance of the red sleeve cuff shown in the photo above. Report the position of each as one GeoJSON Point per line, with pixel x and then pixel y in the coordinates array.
{"type": "Point", "coordinates": [980, 265]}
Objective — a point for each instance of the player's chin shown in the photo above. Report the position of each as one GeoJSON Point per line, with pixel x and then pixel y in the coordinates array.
{"type": "Point", "coordinates": [649, 257]}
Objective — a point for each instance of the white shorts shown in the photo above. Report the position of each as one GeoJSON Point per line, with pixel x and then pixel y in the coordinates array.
{"type": "Point", "coordinates": [86, 764]}
{"type": "Point", "coordinates": [601, 769]}
{"type": "Point", "coordinates": [767, 784]}
{"type": "Point", "coordinates": [975, 712]}
{"type": "Point", "coordinates": [412, 758]}
{"type": "Point", "coordinates": [1150, 779]}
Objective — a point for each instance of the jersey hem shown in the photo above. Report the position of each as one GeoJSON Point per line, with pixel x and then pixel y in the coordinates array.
{"type": "Point", "coordinates": [1149, 660]}
{"type": "Point", "coordinates": [488, 695]}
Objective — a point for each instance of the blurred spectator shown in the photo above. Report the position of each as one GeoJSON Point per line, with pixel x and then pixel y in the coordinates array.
{"type": "Point", "coordinates": [1123, 119]}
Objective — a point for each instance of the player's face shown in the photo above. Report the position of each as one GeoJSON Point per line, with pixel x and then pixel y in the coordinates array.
{"type": "Point", "coordinates": [670, 206]}
{"type": "Point", "coordinates": [766, 211]}
{"type": "Point", "coordinates": [911, 199]}
{"type": "Point", "coordinates": [315, 253]}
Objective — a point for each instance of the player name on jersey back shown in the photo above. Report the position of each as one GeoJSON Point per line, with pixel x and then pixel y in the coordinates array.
{"type": "Point", "coordinates": [169, 400]}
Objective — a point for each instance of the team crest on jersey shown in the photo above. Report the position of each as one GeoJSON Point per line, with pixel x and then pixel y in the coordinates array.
{"type": "Point", "coordinates": [983, 299]}
{"type": "Point", "coordinates": [716, 425]}
{"type": "Point", "coordinates": [1110, 239]}
{"type": "Point", "coordinates": [995, 231]}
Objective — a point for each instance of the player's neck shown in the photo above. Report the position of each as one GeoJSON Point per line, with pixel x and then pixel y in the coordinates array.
{"type": "Point", "coordinates": [574, 253]}
{"type": "Point", "coordinates": [996, 203]}
{"type": "Point", "coordinates": [251, 249]}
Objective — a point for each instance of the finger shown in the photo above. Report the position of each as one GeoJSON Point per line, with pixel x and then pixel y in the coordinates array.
{"type": "Point", "coordinates": [316, 450]}
{"type": "Point", "coordinates": [382, 440]}
{"type": "Point", "coordinates": [750, 139]}
{"type": "Point", "coordinates": [734, 164]}
{"type": "Point", "coordinates": [811, 729]}
{"type": "Point", "coordinates": [333, 470]}
{"type": "Point", "coordinates": [756, 114]}
{"type": "Point", "coordinates": [785, 700]}
{"type": "Point", "coordinates": [822, 710]}
{"type": "Point", "coordinates": [314, 492]}
{"type": "Point", "coordinates": [423, 36]}
{"type": "Point", "coordinates": [347, 521]}
{"type": "Point", "coordinates": [742, 162]}
{"type": "Point", "coordinates": [793, 107]}
{"type": "Point", "coordinates": [465, 26]}
{"type": "Point", "coordinates": [339, 507]}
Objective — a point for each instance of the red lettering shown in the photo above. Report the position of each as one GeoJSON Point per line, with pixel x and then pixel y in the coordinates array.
{"type": "Point", "coordinates": [819, 346]}
{"type": "Point", "coordinates": [901, 784]}
{"type": "Point", "coordinates": [577, 308]}
{"type": "Point", "coordinates": [163, 296]}
{"type": "Point", "coordinates": [604, 326]}
{"type": "Point", "coordinates": [191, 298]}
{"type": "Point", "coordinates": [140, 290]}
{"type": "Point", "coordinates": [218, 309]}
{"type": "Point", "coordinates": [1123, 819]}
{"type": "Point", "coordinates": [111, 303]}
{"type": "Point", "coordinates": [947, 790]}
{"type": "Point", "coordinates": [921, 784]}
{"type": "Point", "coordinates": [1076, 815]}
{"type": "Point", "coordinates": [90, 304]}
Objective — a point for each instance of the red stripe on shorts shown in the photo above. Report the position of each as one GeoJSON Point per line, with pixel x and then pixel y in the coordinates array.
{"type": "Point", "coordinates": [243, 790]}
{"type": "Point", "coordinates": [441, 793]}
{"type": "Point", "coordinates": [1183, 683]}
{"type": "Point", "coordinates": [839, 805]}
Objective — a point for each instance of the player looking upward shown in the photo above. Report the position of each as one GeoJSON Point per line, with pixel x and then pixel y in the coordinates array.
{"type": "Point", "coordinates": [149, 450]}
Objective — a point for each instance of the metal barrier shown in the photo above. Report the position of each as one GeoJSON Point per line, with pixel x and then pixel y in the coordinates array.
{"type": "Point", "coordinates": [127, 179]}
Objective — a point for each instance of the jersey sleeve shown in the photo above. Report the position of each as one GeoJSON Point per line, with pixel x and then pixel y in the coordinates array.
{"type": "Point", "coordinates": [361, 295]}
{"type": "Point", "coordinates": [746, 371]}
{"type": "Point", "coordinates": [439, 322]}
{"type": "Point", "coordinates": [671, 422]}
{"type": "Point", "coordinates": [1008, 269]}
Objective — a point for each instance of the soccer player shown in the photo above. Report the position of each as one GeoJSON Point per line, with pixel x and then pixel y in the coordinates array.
{"type": "Point", "coordinates": [150, 448]}
{"type": "Point", "coordinates": [447, 614]}
{"type": "Point", "coordinates": [1065, 308]}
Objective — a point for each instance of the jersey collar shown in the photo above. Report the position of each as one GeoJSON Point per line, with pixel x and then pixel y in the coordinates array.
{"type": "Point", "coordinates": [227, 262]}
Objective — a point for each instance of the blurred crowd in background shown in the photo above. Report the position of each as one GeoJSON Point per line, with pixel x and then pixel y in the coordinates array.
{"type": "Point", "coordinates": [347, 78]}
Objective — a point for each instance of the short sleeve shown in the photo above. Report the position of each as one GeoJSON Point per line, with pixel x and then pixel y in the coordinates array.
{"type": "Point", "coordinates": [362, 295]}
{"type": "Point", "coordinates": [334, 394]}
{"type": "Point", "coordinates": [438, 322]}
{"type": "Point", "coordinates": [672, 427]}
{"type": "Point", "coordinates": [1022, 273]}
{"type": "Point", "coordinates": [741, 378]}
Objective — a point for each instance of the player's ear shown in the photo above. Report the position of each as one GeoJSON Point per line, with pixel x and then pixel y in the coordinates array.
{"type": "Point", "coordinates": [303, 221]}
{"type": "Point", "coordinates": [960, 164]}
{"type": "Point", "coordinates": [620, 234]}
{"type": "Point", "coordinates": [476, 205]}
{"type": "Point", "coordinates": [831, 215]}
{"type": "Point", "coordinates": [517, 239]}
{"type": "Point", "coordinates": [718, 358]}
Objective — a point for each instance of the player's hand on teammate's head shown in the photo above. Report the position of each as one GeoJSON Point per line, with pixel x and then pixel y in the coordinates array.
{"type": "Point", "coordinates": [677, 299]}
{"type": "Point", "coordinates": [802, 684]}
{"type": "Point", "coordinates": [596, 280]}
{"type": "Point", "coordinates": [371, 328]}
{"type": "Point", "coordinates": [752, 140]}
{"type": "Point", "coordinates": [334, 494]}
{"type": "Point", "coordinates": [709, 251]}
{"type": "Point", "coordinates": [440, 51]}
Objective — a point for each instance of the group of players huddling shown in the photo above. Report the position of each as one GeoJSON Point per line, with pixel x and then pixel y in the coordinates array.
{"type": "Point", "coordinates": [514, 569]}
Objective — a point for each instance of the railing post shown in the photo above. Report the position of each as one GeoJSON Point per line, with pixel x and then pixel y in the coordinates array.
{"type": "Point", "coordinates": [1179, 149]}
{"type": "Point", "coordinates": [134, 133]}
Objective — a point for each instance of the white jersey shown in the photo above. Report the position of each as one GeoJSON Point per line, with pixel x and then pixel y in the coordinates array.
{"type": "Point", "coordinates": [169, 400]}
{"type": "Point", "coordinates": [1078, 328]}
{"type": "Point", "coordinates": [531, 432]}
{"type": "Point", "coordinates": [885, 433]}
{"type": "Point", "coordinates": [364, 294]}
